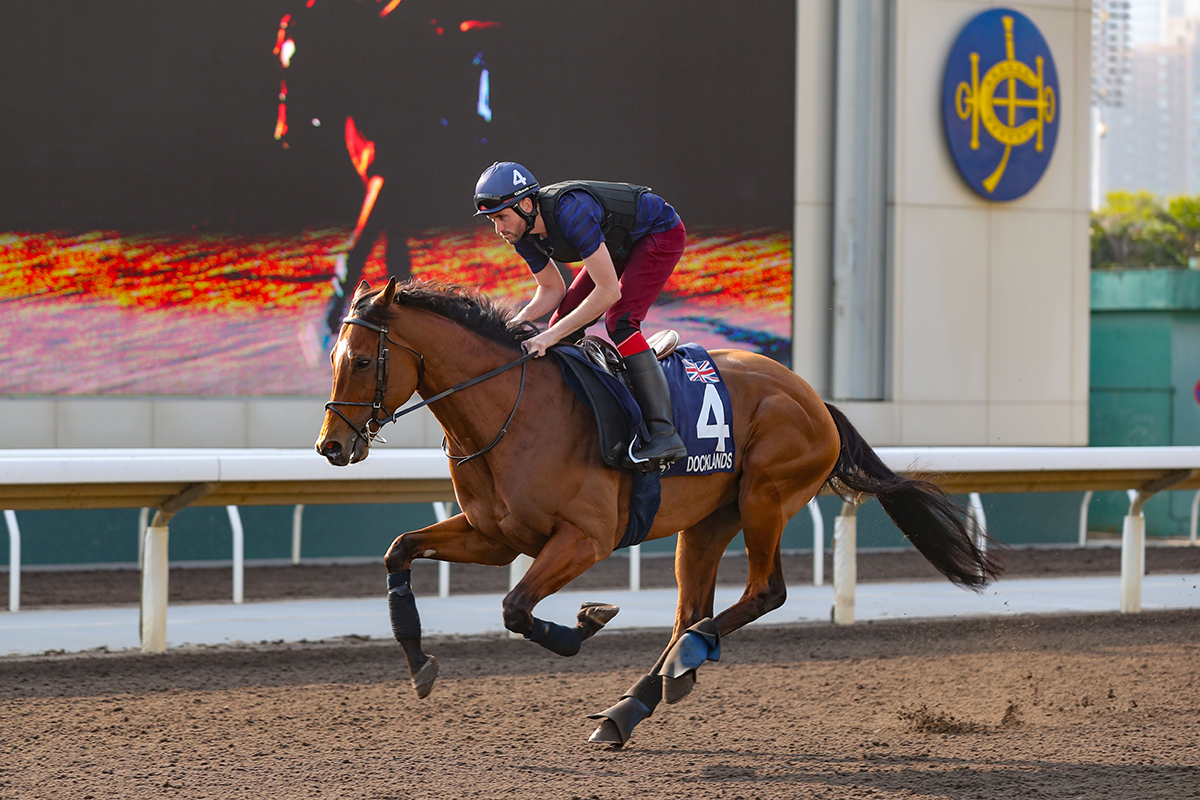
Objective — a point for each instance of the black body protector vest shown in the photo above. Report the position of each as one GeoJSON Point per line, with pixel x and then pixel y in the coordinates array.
{"type": "Point", "coordinates": [619, 203]}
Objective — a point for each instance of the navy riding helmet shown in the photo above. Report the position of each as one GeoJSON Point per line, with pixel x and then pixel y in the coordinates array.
{"type": "Point", "coordinates": [503, 185]}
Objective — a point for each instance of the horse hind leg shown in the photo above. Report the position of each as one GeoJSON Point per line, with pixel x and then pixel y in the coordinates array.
{"type": "Point", "coordinates": [697, 557]}
{"type": "Point", "coordinates": [697, 635]}
{"type": "Point", "coordinates": [764, 516]}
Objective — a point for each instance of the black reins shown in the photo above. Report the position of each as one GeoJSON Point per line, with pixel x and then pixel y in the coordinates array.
{"type": "Point", "coordinates": [379, 413]}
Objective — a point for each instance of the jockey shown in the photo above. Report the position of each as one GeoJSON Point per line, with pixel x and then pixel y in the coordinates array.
{"type": "Point", "coordinates": [643, 239]}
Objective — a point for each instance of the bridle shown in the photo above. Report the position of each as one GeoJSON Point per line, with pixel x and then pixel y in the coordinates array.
{"type": "Point", "coordinates": [380, 416]}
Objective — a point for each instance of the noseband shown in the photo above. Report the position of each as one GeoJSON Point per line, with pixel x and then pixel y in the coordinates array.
{"type": "Point", "coordinates": [380, 416]}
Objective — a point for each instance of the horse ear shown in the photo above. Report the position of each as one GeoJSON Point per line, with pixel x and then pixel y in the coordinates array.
{"type": "Point", "coordinates": [389, 292]}
{"type": "Point", "coordinates": [362, 289]}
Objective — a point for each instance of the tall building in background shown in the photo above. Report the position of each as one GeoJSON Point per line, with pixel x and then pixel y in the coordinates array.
{"type": "Point", "coordinates": [1146, 111]}
{"type": "Point", "coordinates": [1148, 20]}
{"type": "Point", "coordinates": [1153, 136]}
{"type": "Point", "coordinates": [1110, 69]}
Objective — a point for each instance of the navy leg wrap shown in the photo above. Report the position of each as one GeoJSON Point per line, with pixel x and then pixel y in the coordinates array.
{"type": "Point", "coordinates": [402, 606]}
{"type": "Point", "coordinates": [556, 638]}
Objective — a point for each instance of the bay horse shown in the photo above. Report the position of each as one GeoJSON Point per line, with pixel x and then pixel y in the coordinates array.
{"type": "Point", "coordinates": [529, 478]}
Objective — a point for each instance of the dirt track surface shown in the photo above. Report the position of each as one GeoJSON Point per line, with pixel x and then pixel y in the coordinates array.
{"type": "Point", "coordinates": [1092, 706]}
{"type": "Point", "coordinates": [1089, 706]}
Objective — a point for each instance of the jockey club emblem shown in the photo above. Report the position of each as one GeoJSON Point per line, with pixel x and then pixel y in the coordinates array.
{"type": "Point", "coordinates": [1000, 104]}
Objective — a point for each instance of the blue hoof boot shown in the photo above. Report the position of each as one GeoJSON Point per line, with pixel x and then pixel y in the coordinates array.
{"type": "Point", "coordinates": [699, 643]}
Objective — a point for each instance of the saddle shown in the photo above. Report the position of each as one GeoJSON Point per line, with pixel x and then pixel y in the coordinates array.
{"type": "Point", "coordinates": [617, 414]}
{"type": "Point", "coordinates": [605, 356]}
{"type": "Point", "coordinates": [593, 369]}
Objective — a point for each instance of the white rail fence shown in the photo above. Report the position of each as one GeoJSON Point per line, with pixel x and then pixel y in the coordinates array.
{"type": "Point", "coordinates": [170, 480]}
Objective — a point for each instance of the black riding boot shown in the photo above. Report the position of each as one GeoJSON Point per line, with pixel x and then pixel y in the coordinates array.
{"type": "Point", "coordinates": [650, 389]}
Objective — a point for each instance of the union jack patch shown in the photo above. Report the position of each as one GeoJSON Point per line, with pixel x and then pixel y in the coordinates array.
{"type": "Point", "coordinates": [701, 372]}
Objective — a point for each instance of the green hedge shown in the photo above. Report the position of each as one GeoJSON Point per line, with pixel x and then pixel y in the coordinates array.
{"type": "Point", "coordinates": [1138, 229]}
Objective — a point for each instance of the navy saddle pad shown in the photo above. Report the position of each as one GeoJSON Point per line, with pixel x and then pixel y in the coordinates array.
{"type": "Point", "coordinates": [703, 417]}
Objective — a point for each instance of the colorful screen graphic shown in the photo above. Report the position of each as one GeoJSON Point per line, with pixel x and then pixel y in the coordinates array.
{"type": "Point", "coordinates": [187, 187]}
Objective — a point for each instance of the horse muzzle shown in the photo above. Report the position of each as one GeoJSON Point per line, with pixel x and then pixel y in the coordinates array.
{"type": "Point", "coordinates": [339, 454]}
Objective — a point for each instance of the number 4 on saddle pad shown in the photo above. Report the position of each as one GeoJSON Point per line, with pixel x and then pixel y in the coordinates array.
{"type": "Point", "coordinates": [703, 416]}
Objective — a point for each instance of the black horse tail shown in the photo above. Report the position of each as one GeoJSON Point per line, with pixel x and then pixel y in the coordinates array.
{"type": "Point", "coordinates": [926, 515]}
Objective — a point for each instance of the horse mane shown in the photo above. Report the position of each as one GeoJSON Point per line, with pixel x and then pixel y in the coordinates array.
{"type": "Point", "coordinates": [465, 306]}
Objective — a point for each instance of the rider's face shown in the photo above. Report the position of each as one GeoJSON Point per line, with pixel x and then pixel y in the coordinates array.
{"type": "Point", "coordinates": [509, 225]}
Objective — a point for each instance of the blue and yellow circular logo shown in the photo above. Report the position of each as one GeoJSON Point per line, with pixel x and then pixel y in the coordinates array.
{"type": "Point", "coordinates": [1000, 104]}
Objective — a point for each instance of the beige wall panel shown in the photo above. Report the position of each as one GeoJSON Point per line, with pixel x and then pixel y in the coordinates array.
{"type": "Point", "coordinates": [1030, 424]}
{"type": "Point", "coordinates": [812, 243]}
{"type": "Point", "coordinates": [199, 422]}
{"type": "Point", "coordinates": [943, 424]}
{"type": "Point", "coordinates": [26, 423]}
{"type": "Point", "coordinates": [1059, 5]}
{"type": "Point", "coordinates": [1079, 424]}
{"type": "Point", "coordinates": [1081, 308]}
{"type": "Point", "coordinates": [816, 39]}
{"type": "Point", "coordinates": [941, 305]}
{"type": "Point", "coordinates": [991, 300]}
{"type": "Point", "coordinates": [104, 422]}
{"type": "Point", "coordinates": [1080, 108]}
{"type": "Point", "coordinates": [924, 168]}
{"type": "Point", "coordinates": [1057, 187]}
{"type": "Point", "coordinates": [284, 421]}
{"type": "Point", "coordinates": [1031, 346]}
{"type": "Point", "coordinates": [879, 423]}
{"type": "Point", "coordinates": [811, 259]}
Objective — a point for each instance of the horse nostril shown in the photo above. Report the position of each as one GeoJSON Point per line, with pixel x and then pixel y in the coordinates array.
{"type": "Point", "coordinates": [332, 449]}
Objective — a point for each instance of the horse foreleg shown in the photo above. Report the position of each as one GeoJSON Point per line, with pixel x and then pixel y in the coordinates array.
{"type": "Point", "coordinates": [452, 540]}
{"type": "Point", "coordinates": [406, 627]}
{"type": "Point", "coordinates": [565, 556]}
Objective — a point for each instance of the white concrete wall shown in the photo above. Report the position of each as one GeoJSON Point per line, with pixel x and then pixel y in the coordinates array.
{"type": "Point", "coordinates": [989, 344]}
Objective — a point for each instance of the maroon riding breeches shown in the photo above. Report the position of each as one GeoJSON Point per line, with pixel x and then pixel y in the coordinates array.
{"type": "Point", "coordinates": [642, 278]}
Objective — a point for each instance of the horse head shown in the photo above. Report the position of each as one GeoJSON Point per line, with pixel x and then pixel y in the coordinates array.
{"type": "Point", "coordinates": [366, 385]}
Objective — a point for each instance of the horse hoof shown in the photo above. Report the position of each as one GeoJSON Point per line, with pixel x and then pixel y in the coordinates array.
{"type": "Point", "coordinates": [617, 723]}
{"type": "Point", "coordinates": [675, 689]}
{"type": "Point", "coordinates": [594, 616]}
{"type": "Point", "coordinates": [607, 733]}
{"type": "Point", "coordinates": [422, 682]}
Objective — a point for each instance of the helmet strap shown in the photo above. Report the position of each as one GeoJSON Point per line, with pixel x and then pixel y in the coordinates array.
{"type": "Point", "coordinates": [529, 217]}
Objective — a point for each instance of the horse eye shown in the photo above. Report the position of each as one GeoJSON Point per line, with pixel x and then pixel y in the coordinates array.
{"type": "Point", "coordinates": [362, 362]}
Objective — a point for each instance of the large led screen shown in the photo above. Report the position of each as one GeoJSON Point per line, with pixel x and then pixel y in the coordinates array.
{"type": "Point", "coordinates": [184, 186]}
